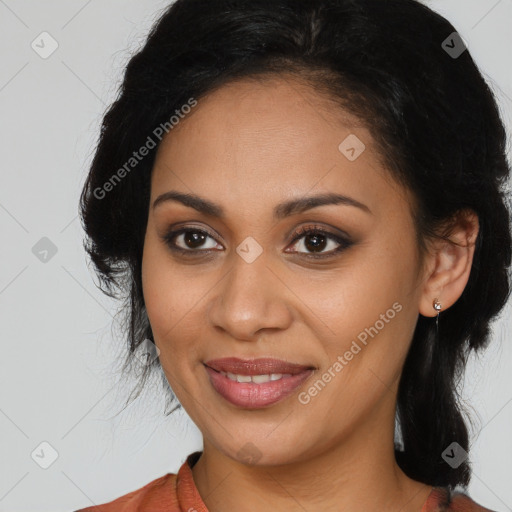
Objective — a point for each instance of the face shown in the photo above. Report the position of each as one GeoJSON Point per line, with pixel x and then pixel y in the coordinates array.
{"type": "Point", "coordinates": [331, 288]}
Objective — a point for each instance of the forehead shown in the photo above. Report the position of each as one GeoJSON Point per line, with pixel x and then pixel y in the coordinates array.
{"type": "Point", "coordinates": [268, 140]}
{"type": "Point", "coordinates": [254, 110]}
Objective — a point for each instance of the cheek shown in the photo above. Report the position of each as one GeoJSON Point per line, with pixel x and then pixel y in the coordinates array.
{"type": "Point", "coordinates": [372, 280]}
{"type": "Point", "coordinates": [175, 299]}
{"type": "Point", "coordinates": [371, 311]}
{"type": "Point", "coordinates": [159, 286]}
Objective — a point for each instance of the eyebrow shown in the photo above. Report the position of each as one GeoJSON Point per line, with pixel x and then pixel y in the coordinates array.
{"type": "Point", "coordinates": [281, 211]}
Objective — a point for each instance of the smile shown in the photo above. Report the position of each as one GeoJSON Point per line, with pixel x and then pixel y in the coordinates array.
{"type": "Point", "coordinates": [257, 379]}
{"type": "Point", "coordinates": [249, 386]}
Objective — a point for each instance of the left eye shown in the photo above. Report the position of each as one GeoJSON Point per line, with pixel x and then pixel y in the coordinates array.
{"type": "Point", "coordinates": [315, 239]}
{"type": "Point", "coordinates": [312, 239]}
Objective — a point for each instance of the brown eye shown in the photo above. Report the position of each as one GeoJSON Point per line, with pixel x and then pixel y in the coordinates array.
{"type": "Point", "coordinates": [316, 240]}
{"type": "Point", "coordinates": [188, 240]}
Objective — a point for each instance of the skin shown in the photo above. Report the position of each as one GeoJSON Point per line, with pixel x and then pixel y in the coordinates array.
{"type": "Point", "coordinates": [247, 147]}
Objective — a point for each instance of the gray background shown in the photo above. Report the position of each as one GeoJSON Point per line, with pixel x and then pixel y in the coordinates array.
{"type": "Point", "coordinates": [59, 380]}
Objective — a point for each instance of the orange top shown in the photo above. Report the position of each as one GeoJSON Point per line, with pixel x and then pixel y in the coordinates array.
{"type": "Point", "coordinates": [178, 493]}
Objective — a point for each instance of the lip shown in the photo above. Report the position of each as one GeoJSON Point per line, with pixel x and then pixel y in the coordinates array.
{"type": "Point", "coordinates": [250, 395]}
{"type": "Point", "coordinates": [260, 366]}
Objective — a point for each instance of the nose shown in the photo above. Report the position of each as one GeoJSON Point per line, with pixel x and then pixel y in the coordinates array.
{"type": "Point", "coordinates": [249, 301]}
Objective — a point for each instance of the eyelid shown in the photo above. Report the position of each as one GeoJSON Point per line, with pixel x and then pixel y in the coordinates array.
{"type": "Point", "coordinates": [180, 228]}
{"type": "Point", "coordinates": [316, 228]}
{"type": "Point", "coordinates": [343, 240]}
{"type": "Point", "coordinates": [173, 232]}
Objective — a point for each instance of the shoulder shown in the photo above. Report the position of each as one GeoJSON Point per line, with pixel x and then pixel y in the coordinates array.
{"type": "Point", "coordinates": [157, 495]}
{"type": "Point", "coordinates": [443, 500]}
{"type": "Point", "coordinates": [461, 502]}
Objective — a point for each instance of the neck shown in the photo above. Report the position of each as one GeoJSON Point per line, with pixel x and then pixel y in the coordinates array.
{"type": "Point", "coordinates": [357, 473]}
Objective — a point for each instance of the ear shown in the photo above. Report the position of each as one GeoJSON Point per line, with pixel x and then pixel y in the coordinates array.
{"type": "Point", "coordinates": [449, 264]}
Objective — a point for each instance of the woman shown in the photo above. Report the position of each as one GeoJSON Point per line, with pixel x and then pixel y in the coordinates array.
{"type": "Point", "coordinates": [303, 200]}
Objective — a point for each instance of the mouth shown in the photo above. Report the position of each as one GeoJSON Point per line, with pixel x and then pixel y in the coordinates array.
{"type": "Point", "coordinates": [255, 383]}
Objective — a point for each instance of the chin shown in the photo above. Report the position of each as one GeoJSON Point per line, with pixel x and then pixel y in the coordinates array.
{"type": "Point", "coordinates": [262, 450]}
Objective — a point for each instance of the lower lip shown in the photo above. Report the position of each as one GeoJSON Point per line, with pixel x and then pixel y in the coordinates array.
{"type": "Point", "coordinates": [255, 396]}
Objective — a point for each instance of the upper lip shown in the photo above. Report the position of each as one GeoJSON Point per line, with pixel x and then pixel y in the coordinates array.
{"type": "Point", "coordinates": [262, 366]}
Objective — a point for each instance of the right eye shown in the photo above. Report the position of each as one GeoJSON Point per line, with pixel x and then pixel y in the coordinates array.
{"type": "Point", "coordinates": [188, 240]}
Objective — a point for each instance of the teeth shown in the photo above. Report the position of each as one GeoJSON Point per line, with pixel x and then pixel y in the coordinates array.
{"type": "Point", "coordinates": [259, 379]}
{"type": "Point", "coordinates": [256, 379]}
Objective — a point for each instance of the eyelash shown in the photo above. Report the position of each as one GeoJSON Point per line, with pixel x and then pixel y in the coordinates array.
{"type": "Point", "coordinates": [345, 243]}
